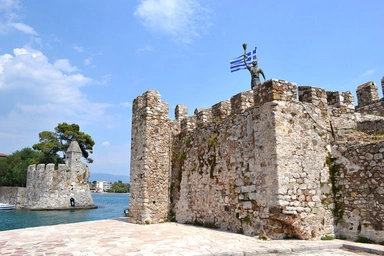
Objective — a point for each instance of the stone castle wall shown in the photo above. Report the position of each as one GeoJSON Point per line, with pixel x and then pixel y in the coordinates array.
{"type": "Point", "coordinates": [360, 190]}
{"type": "Point", "coordinates": [12, 195]}
{"type": "Point", "coordinates": [50, 188]}
{"type": "Point", "coordinates": [368, 99]}
{"type": "Point", "coordinates": [256, 164]}
{"type": "Point", "coordinates": [230, 167]}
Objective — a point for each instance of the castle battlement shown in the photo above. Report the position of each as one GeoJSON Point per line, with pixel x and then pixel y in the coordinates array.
{"type": "Point", "coordinates": [368, 99]}
{"type": "Point", "coordinates": [313, 95]}
{"type": "Point", "coordinates": [150, 103]}
{"type": "Point", "coordinates": [241, 101]}
{"type": "Point", "coordinates": [367, 93]}
{"type": "Point", "coordinates": [259, 163]}
{"type": "Point", "coordinates": [274, 89]}
{"type": "Point", "coordinates": [51, 188]}
{"type": "Point", "coordinates": [221, 109]}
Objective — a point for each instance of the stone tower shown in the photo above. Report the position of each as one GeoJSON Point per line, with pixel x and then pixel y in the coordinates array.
{"type": "Point", "coordinates": [150, 165]}
{"type": "Point", "coordinates": [73, 155]}
{"type": "Point", "coordinates": [50, 188]}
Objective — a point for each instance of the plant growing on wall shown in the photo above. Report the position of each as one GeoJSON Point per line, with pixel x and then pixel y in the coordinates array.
{"type": "Point", "coordinates": [333, 171]}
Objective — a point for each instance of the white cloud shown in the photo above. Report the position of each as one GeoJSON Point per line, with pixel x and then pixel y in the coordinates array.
{"type": "Point", "coordinates": [184, 20]}
{"type": "Point", "coordinates": [88, 61]}
{"type": "Point", "coordinates": [10, 19]}
{"type": "Point", "coordinates": [35, 93]}
{"type": "Point", "coordinates": [23, 28]}
{"type": "Point", "coordinates": [78, 48]}
{"type": "Point", "coordinates": [64, 65]}
{"type": "Point", "coordinates": [104, 80]}
{"type": "Point", "coordinates": [146, 48]}
{"type": "Point", "coordinates": [126, 104]}
{"type": "Point", "coordinates": [369, 72]}
{"type": "Point", "coordinates": [105, 144]}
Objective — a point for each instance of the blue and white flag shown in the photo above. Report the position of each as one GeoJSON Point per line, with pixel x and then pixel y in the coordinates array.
{"type": "Point", "coordinates": [238, 63]}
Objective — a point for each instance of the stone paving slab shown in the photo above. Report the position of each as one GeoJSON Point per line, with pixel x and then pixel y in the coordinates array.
{"type": "Point", "coordinates": [118, 237]}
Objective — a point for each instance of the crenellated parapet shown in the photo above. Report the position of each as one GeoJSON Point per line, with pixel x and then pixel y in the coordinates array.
{"type": "Point", "coordinates": [242, 101]}
{"type": "Point", "coordinates": [221, 110]}
{"type": "Point", "coordinates": [150, 104]}
{"type": "Point", "coordinates": [203, 116]}
{"type": "Point", "coordinates": [313, 95]}
{"type": "Point", "coordinates": [368, 99]}
{"type": "Point", "coordinates": [273, 89]}
{"type": "Point", "coordinates": [181, 112]}
{"type": "Point", "coordinates": [367, 94]}
{"type": "Point", "coordinates": [343, 100]}
{"type": "Point", "coordinates": [51, 188]}
{"type": "Point", "coordinates": [342, 109]}
{"type": "Point", "coordinates": [257, 163]}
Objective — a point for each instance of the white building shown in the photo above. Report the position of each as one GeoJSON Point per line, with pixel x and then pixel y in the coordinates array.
{"type": "Point", "coordinates": [103, 185]}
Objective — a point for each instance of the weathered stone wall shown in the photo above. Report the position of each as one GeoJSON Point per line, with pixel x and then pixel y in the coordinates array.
{"type": "Point", "coordinates": [375, 108]}
{"type": "Point", "coordinates": [12, 195]}
{"type": "Point", "coordinates": [368, 99]}
{"type": "Point", "coordinates": [259, 163]}
{"type": "Point", "coordinates": [241, 167]}
{"type": "Point", "coordinates": [50, 188]}
{"type": "Point", "coordinates": [150, 155]}
{"type": "Point", "coordinates": [360, 189]}
{"type": "Point", "coordinates": [341, 106]}
{"type": "Point", "coordinates": [223, 180]}
{"type": "Point", "coordinates": [303, 133]}
{"type": "Point", "coordinates": [371, 126]}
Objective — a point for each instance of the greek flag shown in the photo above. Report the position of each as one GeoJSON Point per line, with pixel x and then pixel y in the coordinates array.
{"type": "Point", "coordinates": [238, 63]}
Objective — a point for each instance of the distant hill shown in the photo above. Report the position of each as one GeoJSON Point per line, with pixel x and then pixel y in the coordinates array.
{"type": "Point", "coordinates": [108, 177]}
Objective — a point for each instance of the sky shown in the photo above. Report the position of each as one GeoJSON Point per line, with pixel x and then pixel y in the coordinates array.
{"type": "Point", "coordinates": [85, 61]}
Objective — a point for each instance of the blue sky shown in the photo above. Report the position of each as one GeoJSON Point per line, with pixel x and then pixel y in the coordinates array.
{"type": "Point", "coordinates": [85, 61]}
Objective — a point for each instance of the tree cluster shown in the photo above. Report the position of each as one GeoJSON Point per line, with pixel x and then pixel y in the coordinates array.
{"type": "Point", "coordinates": [119, 187]}
{"type": "Point", "coordinates": [13, 168]}
{"type": "Point", "coordinates": [50, 149]}
{"type": "Point", "coordinates": [53, 143]}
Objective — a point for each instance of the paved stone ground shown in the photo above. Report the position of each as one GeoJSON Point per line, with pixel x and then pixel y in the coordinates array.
{"type": "Point", "coordinates": [118, 237]}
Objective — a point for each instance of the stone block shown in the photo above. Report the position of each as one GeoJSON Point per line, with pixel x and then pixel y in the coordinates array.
{"type": "Point", "coordinates": [367, 94]}
{"type": "Point", "coordinates": [273, 89]}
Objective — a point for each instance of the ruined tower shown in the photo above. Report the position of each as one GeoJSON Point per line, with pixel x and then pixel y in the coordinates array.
{"type": "Point", "coordinates": [150, 152]}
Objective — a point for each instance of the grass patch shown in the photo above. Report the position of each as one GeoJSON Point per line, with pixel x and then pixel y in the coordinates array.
{"type": "Point", "coordinates": [365, 240]}
{"type": "Point", "coordinates": [326, 237]}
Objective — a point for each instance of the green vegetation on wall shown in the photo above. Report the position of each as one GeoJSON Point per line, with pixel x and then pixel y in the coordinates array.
{"type": "Point", "coordinates": [333, 171]}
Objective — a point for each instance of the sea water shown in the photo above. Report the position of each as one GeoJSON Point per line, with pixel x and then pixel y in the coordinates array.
{"type": "Point", "coordinates": [109, 206]}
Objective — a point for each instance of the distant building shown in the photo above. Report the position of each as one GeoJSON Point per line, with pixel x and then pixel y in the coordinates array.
{"type": "Point", "coordinates": [103, 185]}
{"type": "Point", "coordinates": [3, 155]}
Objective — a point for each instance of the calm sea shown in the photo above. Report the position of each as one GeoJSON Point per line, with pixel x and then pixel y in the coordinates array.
{"type": "Point", "coordinates": [109, 206]}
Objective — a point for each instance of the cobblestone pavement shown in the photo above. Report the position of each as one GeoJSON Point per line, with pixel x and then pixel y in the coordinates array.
{"type": "Point", "coordinates": [118, 237]}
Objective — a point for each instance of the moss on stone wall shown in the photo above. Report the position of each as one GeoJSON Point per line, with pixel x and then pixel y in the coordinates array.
{"type": "Point", "coordinates": [333, 172]}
